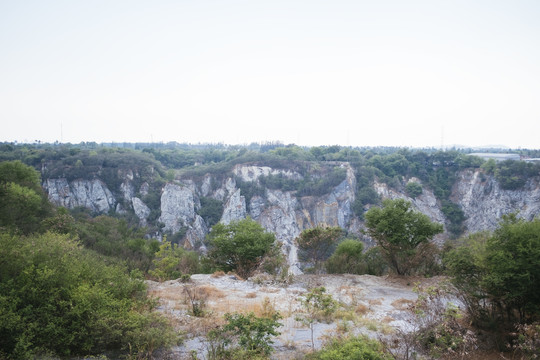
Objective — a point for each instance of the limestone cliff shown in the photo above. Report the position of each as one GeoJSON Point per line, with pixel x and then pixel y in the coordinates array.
{"type": "Point", "coordinates": [285, 213]}
{"type": "Point", "coordinates": [484, 202]}
{"type": "Point", "coordinates": [91, 194]}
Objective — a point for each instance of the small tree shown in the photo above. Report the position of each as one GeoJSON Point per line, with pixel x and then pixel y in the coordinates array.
{"type": "Point", "coordinates": [250, 334]}
{"type": "Point", "coordinates": [402, 234]}
{"type": "Point", "coordinates": [317, 306]}
{"type": "Point", "coordinates": [316, 243]}
{"type": "Point", "coordinates": [239, 246]}
{"type": "Point", "coordinates": [347, 259]}
{"type": "Point", "coordinates": [413, 189]}
{"type": "Point", "coordinates": [499, 275]}
{"type": "Point", "coordinates": [172, 261]}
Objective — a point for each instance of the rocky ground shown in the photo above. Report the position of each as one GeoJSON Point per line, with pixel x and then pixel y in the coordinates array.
{"type": "Point", "coordinates": [376, 306]}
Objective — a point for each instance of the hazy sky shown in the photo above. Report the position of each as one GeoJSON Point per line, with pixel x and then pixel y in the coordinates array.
{"type": "Point", "coordinates": [359, 73]}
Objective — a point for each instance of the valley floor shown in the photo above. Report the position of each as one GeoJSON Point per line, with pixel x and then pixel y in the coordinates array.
{"type": "Point", "coordinates": [376, 306]}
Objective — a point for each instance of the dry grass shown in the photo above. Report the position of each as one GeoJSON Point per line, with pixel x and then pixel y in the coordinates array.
{"type": "Point", "coordinates": [375, 302]}
{"type": "Point", "coordinates": [218, 274]}
{"type": "Point", "coordinates": [251, 295]}
{"type": "Point", "coordinates": [361, 309]}
{"type": "Point", "coordinates": [201, 326]}
{"type": "Point", "coordinates": [210, 292]}
{"type": "Point", "coordinates": [174, 294]}
{"type": "Point", "coordinates": [401, 304]}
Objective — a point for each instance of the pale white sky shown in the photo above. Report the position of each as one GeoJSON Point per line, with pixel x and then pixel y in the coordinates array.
{"type": "Point", "coordinates": [310, 72]}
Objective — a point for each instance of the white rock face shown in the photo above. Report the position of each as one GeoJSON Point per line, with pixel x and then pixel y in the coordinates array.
{"type": "Point", "coordinates": [484, 202]}
{"type": "Point", "coordinates": [91, 194]}
{"type": "Point", "coordinates": [145, 188]}
{"type": "Point", "coordinates": [235, 208]}
{"type": "Point", "coordinates": [141, 210]}
{"type": "Point", "coordinates": [127, 189]}
{"type": "Point", "coordinates": [252, 173]}
{"type": "Point", "coordinates": [285, 214]}
{"type": "Point", "coordinates": [196, 233]}
{"type": "Point", "coordinates": [177, 207]}
{"type": "Point", "coordinates": [425, 203]}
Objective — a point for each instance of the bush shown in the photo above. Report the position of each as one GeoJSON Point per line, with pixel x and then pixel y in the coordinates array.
{"type": "Point", "coordinates": [172, 261]}
{"type": "Point", "coordinates": [402, 234]}
{"type": "Point", "coordinates": [347, 258]}
{"type": "Point", "coordinates": [243, 337]}
{"type": "Point", "coordinates": [413, 189]}
{"type": "Point", "coordinates": [317, 306]}
{"type": "Point", "coordinates": [499, 274]}
{"type": "Point", "coordinates": [353, 348]}
{"type": "Point", "coordinates": [239, 246]}
{"type": "Point", "coordinates": [375, 262]}
{"type": "Point", "coordinates": [62, 300]}
{"type": "Point", "coordinates": [316, 244]}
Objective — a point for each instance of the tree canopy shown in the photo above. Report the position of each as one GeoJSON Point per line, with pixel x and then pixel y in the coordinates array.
{"type": "Point", "coordinates": [239, 246]}
{"type": "Point", "coordinates": [402, 233]}
{"type": "Point", "coordinates": [499, 273]}
{"type": "Point", "coordinates": [23, 205]}
{"type": "Point", "coordinates": [317, 243]}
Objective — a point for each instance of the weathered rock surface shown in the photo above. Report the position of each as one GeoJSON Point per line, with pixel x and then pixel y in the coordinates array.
{"type": "Point", "coordinates": [91, 194]}
{"type": "Point", "coordinates": [177, 207]}
{"type": "Point", "coordinates": [283, 212]}
{"type": "Point", "coordinates": [141, 210]}
{"type": "Point", "coordinates": [484, 202]}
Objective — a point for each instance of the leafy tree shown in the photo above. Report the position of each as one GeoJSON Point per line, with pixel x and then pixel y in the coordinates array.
{"type": "Point", "coordinates": [489, 166]}
{"type": "Point", "coordinates": [172, 261]}
{"type": "Point", "coordinates": [402, 234]}
{"type": "Point", "coordinates": [317, 306]}
{"type": "Point", "coordinates": [19, 173]}
{"type": "Point", "coordinates": [513, 175]}
{"type": "Point", "coordinates": [499, 274]}
{"type": "Point", "coordinates": [347, 258]}
{"type": "Point", "coordinates": [239, 246]}
{"type": "Point", "coordinates": [115, 238]}
{"type": "Point", "coordinates": [254, 333]}
{"type": "Point", "coordinates": [513, 261]}
{"type": "Point", "coordinates": [23, 205]}
{"type": "Point", "coordinates": [61, 223]}
{"type": "Point", "coordinates": [455, 215]}
{"type": "Point", "coordinates": [211, 210]}
{"type": "Point", "coordinates": [317, 243]}
{"type": "Point", "coordinates": [60, 299]}
{"type": "Point", "coordinates": [466, 263]}
{"type": "Point", "coordinates": [413, 189]}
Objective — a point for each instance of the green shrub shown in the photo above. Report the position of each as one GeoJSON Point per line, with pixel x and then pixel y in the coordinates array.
{"type": "Point", "coordinates": [59, 299]}
{"type": "Point", "coordinates": [353, 348]}
{"type": "Point", "coordinates": [211, 210]}
{"type": "Point", "coordinates": [413, 189]}
{"type": "Point", "coordinates": [239, 246]}
{"type": "Point", "coordinates": [243, 337]}
{"type": "Point", "coordinates": [172, 261]}
{"type": "Point", "coordinates": [499, 274]}
{"type": "Point", "coordinates": [347, 258]}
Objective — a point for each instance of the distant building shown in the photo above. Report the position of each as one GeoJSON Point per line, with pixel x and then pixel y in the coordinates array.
{"type": "Point", "coordinates": [497, 156]}
{"type": "Point", "coordinates": [533, 160]}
